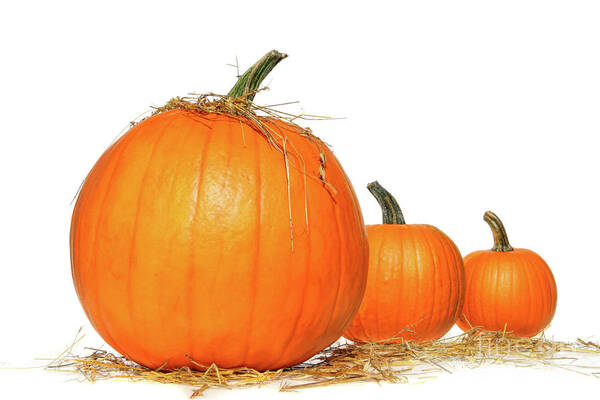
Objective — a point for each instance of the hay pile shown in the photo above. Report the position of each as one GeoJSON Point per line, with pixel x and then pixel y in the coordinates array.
{"type": "Point", "coordinates": [351, 363]}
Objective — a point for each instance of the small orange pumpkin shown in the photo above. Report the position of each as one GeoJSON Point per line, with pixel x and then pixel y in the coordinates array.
{"type": "Point", "coordinates": [196, 239]}
{"type": "Point", "coordinates": [415, 285]}
{"type": "Point", "coordinates": [507, 289]}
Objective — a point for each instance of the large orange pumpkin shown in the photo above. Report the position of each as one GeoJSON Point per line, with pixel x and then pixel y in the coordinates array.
{"type": "Point", "coordinates": [507, 289]}
{"type": "Point", "coordinates": [202, 238]}
{"type": "Point", "coordinates": [415, 285]}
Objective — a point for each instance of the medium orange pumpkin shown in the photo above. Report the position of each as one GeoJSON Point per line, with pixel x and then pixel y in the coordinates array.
{"type": "Point", "coordinates": [507, 289]}
{"type": "Point", "coordinates": [415, 285]}
{"type": "Point", "coordinates": [198, 239]}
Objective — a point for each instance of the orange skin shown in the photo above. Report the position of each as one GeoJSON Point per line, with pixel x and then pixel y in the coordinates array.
{"type": "Point", "coordinates": [415, 286]}
{"type": "Point", "coordinates": [181, 249]}
{"type": "Point", "coordinates": [512, 290]}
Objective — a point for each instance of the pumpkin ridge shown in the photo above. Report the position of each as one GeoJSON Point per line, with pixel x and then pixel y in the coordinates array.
{"type": "Point", "coordinates": [405, 248]}
{"type": "Point", "coordinates": [490, 317]}
{"type": "Point", "coordinates": [512, 291]}
{"type": "Point", "coordinates": [526, 291]}
{"type": "Point", "coordinates": [440, 267]}
{"type": "Point", "coordinates": [84, 192]}
{"type": "Point", "coordinates": [94, 247]}
{"type": "Point", "coordinates": [308, 248]}
{"type": "Point", "coordinates": [292, 334]}
{"type": "Point", "coordinates": [380, 256]}
{"type": "Point", "coordinates": [483, 277]}
{"type": "Point", "coordinates": [193, 245]}
{"type": "Point", "coordinates": [437, 264]}
{"type": "Point", "coordinates": [430, 271]}
{"type": "Point", "coordinates": [101, 212]}
{"type": "Point", "coordinates": [463, 295]}
{"type": "Point", "coordinates": [539, 277]}
{"type": "Point", "coordinates": [523, 313]}
{"type": "Point", "coordinates": [504, 318]}
{"type": "Point", "coordinates": [452, 270]}
{"type": "Point", "coordinates": [552, 289]}
{"type": "Point", "coordinates": [488, 269]}
{"type": "Point", "coordinates": [494, 316]}
{"type": "Point", "coordinates": [448, 257]}
{"type": "Point", "coordinates": [256, 259]}
{"type": "Point", "coordinates": [420, 291]}
{"type": "Point", "coordinates": [339, 252]}
{"type": "Point", "coordinates": [501, 284]}
{"type": "Point", "coordinates": [75, 234]}
{"type": "Point", "coordinates": [185, 136]}
{"type": "Point", "coordinates": [411, 260]}
{"type": "Point", "coordinates": [542, 277]}
{"type": "Point", "coordinates": [130, 298]}
{"type": "Point", "coordinates": [228, 139]}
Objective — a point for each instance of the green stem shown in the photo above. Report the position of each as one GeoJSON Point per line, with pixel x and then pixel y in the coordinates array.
{"type": "Point", "coordinates": [389, 206]}
{"type": "Point", "coordinates": [500, 237]}
{"type": "Point", "coordinates": [248, 84]}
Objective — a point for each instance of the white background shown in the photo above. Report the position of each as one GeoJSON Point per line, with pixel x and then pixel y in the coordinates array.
{"type": "Point", "coordinates": [456, 107]}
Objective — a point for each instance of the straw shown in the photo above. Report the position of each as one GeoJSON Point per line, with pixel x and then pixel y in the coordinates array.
{"type": "Point", "coordinates": [347, 362]}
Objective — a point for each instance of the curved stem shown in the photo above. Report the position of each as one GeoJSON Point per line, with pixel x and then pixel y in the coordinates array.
{"type": "Point", "coordinates": [389, 206]}
{"type": "Point", "coordinates": [248, 83]}
{"type": "Point", "coordinates": [500, 238]}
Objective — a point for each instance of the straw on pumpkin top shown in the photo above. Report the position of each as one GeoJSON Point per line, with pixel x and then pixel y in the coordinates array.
{"type": "Point", "coordinates": [184, 220]}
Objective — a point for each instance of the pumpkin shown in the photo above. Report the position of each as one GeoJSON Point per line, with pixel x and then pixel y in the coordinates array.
{"type": "Point", "coordinates": [219, 237]}
{"type": "Point", "coordinates": [415, 284]}
{"type": "Point", "coordinates": [507, 289]}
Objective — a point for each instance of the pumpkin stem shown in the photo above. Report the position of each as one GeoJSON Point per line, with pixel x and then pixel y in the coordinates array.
{"type": "Point", "coordinates": [500, 238]}
{"type": "Point", "coordinates": [248, 83]}
{"type": "Point", "coordinates": [389, 206]}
